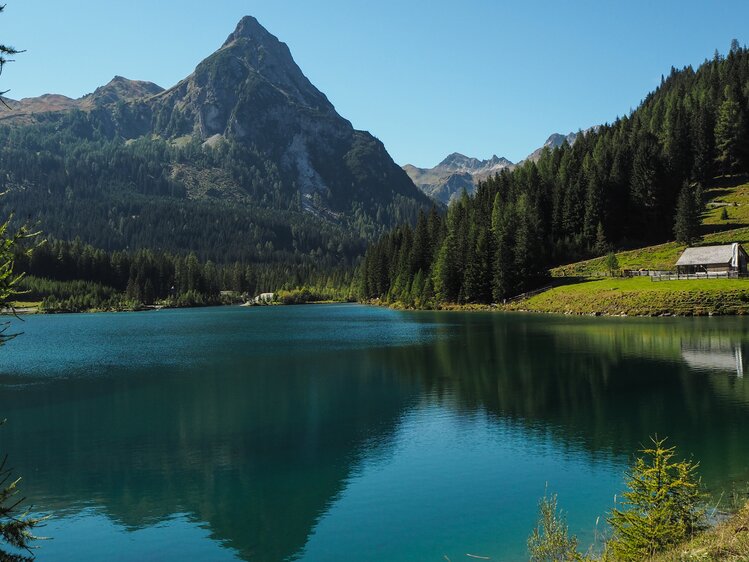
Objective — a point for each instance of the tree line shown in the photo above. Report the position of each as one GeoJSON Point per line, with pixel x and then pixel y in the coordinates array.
{"type": "Point", "coordinates": [617, 186]}
{"type": "Point", "coordinates": [73, 276]}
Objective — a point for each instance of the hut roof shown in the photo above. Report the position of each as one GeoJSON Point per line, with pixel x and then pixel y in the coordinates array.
{"type": "Point", "coordinates": [707, 255]}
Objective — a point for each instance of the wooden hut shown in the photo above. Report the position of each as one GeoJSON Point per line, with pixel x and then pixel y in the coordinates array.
{"type": "Point", "coordinates": [728, 259]}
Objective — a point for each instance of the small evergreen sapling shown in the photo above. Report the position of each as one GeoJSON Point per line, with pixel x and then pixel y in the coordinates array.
{"type": "Point", "coordinates": [661, 507]}
{"type": "Point", "coordinates": [612, 263]}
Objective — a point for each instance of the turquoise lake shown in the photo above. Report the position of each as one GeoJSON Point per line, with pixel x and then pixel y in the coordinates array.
{"type": "Point", "coordinates": [344, 432]}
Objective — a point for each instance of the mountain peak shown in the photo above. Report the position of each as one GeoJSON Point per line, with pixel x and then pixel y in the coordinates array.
{"type": "Point", "coordinates": [249, 28]}
{"type": "Point", "coordinates": [455, 159]}
{"type": "Point", "coordinates": [459, 162]}
{"type": "Point", "coordinates": [237, 89]}
{"type": "Point", "coordinates": [457, 172]}
{"type": "Point", "coordinates": [120, 88]}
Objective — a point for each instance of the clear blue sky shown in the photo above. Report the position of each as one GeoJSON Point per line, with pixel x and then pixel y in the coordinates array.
{"type": "Point", "coordinates": [428, 78]}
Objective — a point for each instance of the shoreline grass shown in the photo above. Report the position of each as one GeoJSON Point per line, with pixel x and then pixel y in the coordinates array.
{"type": "Point", "coordinates": [639, 296]}
{"type": "Point", "coordinates": [728, 541]}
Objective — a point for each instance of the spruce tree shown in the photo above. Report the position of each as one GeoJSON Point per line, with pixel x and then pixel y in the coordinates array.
{"type": "Point", "coordinates": [661, 507]}
{"type": "Point", "coordinates": [727, 136]}
{"type": "Point", "coordinates": [687, 221]}
{"type": "Point", "coordinates": [612, 263]}
{"type": "Point", "coordinates": [16, 529]}
{"type": "Point", "coordinates": [601, 246]}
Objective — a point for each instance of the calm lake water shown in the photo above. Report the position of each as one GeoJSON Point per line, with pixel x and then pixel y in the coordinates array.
{"type": "Point", "coordinates": [345, 432]}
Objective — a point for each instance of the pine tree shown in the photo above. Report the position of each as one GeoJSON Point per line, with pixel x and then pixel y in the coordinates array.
{"type": "Point", "coordinates": [602, 245]}
{"type": "Point", "coordinates": [447, 274]}
{"type": "Point", "coordinates": [16, 529]}
{"type": "Point", "coordinates": [703, 142]}
{"type": "Point", "coordinates": [612, 263]}
{"type": "Point", "coordinates": [727, 136]}
{"type": "Point", "coordinates": [687, 222]}
{"type": "Point", "coordinates": [529, 246]}
{"type": "Point", "coordinates": [662, 505]}
{"type": "Point", "coordinates": [478, 278]}
{"type": "Point", "coordinates": [5, 52]}
{"type": "Point", "coordinates": [504, 278]}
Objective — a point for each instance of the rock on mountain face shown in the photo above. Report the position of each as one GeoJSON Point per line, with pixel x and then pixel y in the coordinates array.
{"type": "Point", "coordinates": [447, 180]}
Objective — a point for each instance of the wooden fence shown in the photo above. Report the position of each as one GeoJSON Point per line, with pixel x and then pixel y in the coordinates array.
{"type": "Point", "coordinates": [697, 276]}
{"type": "Point", "coordinates": [644, 272]}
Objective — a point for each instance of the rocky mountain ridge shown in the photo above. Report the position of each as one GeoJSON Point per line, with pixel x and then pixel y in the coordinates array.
{"type": "Point", "coordinates": [457, 172]}
{"type": "Point", "coordinates": [119, 89]}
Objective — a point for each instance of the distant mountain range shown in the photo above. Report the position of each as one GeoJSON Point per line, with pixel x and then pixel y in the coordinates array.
{"type": "Point", "coordinates": [456, 173]}
{"type": "Point", "coordinates": [246, 131]}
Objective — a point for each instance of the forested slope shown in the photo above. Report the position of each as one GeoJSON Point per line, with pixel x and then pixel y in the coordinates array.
{"type": "Point", "coordinates": [617, 186]}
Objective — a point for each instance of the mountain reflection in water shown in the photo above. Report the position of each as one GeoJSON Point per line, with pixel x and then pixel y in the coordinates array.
{"type": "Point", "coordinates": [274, 429]}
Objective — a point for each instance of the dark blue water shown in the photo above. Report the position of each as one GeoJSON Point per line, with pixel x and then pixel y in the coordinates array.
{"type": "Point", "coordinates": [347, 432]}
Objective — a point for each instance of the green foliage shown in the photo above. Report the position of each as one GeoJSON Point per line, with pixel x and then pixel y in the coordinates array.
{"type": "Point", "coordinates": [10, 240]}
{"type": "Point", "coordinates": [724, 214]}
{"type": "Point", "coordinates": [612, 263]}
{"type": "Point", "coordinates": [550, 540]}
{"type": "Point", "coordinates": [303, 295]}
{"type": "Point", "coordinates": [16, 529]}
{"type": "Point", "coordinates": [601, 246]}
{"type": "Point", "coordinates": [661, 507]}
{"type": "Point", "coordinates": [687, 220]}
{"type": "Point", "coordinates": [728, 130]}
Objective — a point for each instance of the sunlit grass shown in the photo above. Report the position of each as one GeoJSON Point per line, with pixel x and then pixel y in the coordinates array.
{"type": "Point", "coordinates": [734, 200]}
{"type": "Point", "coordinates": [641, 296]}
{"type": "Point", "coordinates": [728, 542]}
